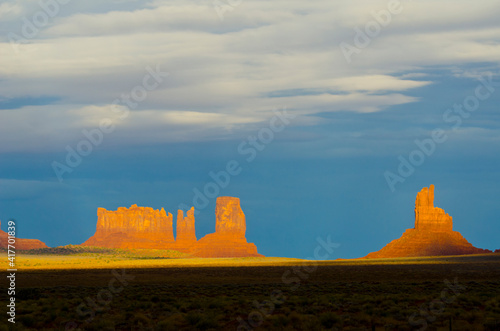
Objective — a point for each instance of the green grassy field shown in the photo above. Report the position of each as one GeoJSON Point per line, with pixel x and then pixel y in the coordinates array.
{"type": "Point", "coordinates": [138, 291]}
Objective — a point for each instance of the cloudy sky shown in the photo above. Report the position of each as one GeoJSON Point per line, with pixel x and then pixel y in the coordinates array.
{"type": "Point", "coordinates": [336, 114]}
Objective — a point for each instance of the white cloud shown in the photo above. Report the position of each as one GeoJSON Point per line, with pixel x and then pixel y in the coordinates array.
{"type": "Point", "coordinates": [10, 11]}
{"type": "Point", "coordinates": [51, 128]}
{"type": "Point", "coordinates": [226, 75]}
{"type": "Point", "coordinates": [376, 83]}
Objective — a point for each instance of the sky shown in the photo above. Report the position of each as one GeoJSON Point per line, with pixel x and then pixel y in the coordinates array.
{"type": "Point", "coordinates": [324, 117]}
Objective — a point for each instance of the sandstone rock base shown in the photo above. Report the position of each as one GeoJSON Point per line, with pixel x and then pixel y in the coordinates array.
{"type": "Point", "coordinates": [415, 243]}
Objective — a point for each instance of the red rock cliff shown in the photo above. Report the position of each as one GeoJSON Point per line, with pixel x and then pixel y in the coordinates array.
{"type": "Point", "coordinates": [433, 234]}
{"type": "Point", "coordinates": [143, 227]}
{"type": "Point", "coordinates": [428, 217]}
{"type": "Point", "coordinates": [229, 218]}
{"type": "Point", "coordinates": [21, 244]}
{"type": "Point", "coordinates": [229, 237]}
{"type": "Point", "coordinates": [134, 227]}
{"type": "Point", "coordinates": [186, 233]}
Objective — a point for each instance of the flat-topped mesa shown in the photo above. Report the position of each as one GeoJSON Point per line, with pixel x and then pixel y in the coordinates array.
{"type": "Point", "coordinates": [229, 237]}
{"type": "Point", "coordinates": [134, 227]}
{"type": "Point", "coordinates": [138, 221]}
{"type": "Point", "coordinates": [428, 217]}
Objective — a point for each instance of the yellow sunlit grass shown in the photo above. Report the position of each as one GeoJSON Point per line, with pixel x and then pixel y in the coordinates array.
{"type": "Point", "coordinates": [51, 262]}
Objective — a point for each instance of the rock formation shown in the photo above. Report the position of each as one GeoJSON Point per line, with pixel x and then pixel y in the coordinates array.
{"type": "Point", "coordinates": [186, 233]}
{"type": "Point", "coordinates": [433, 234]}
{"type": "Point", "coordinates": [229, 218]}
{"type": "Point", "coordinates": [134, 227]}
{"type": "Point", "coordinates": [143, 227]}
{"type": "Point", "coordinates": [21, 244]}
{"type": "Point", "coordinates": [229, 237]}
{"type": "Point", "coordinates": [428, 217]}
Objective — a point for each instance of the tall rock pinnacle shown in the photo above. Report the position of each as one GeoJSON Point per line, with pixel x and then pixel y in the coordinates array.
{"type": "Point", "coordinates": [433, 234]}
{"type": "Point", "coordinates": [428, 217]}
{"type": "Point", "coordinates": [185, 226]}
{"type": "Point", "coordinates": [229, 218]}
{"type": "Point", "coordinates": [229, 237]}
{"type": "Point", "coordinates": [186, 232]}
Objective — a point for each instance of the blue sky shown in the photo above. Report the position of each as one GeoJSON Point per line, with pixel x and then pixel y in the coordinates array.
{"type": "Point", "coordinates": [203, 81]}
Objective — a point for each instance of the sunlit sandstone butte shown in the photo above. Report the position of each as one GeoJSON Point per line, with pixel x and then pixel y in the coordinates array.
{"type": "Point", "coordinates": [433, 234]}
{"type": "Point", "coordinates": [143, 227]}
{"type": "Point", "coordinates": [20, 244]}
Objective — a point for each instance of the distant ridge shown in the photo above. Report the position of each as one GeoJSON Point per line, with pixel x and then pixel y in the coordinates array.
{"type": "Point", "coordinates": [21, 244]}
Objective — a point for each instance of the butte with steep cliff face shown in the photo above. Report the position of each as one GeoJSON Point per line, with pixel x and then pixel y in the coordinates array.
{"type": "Point", "coordinates": [229, 238]}
{"type": "Point", "coordinates": [143, 227]}
{"type": "Point", "coordinates": [433, 234]}
{"type": "Point", "coordinates": [134, 227]}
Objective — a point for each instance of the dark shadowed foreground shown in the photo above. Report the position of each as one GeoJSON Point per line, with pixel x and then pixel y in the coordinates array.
{"type": "Point", "coordinates": [446, 293]}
